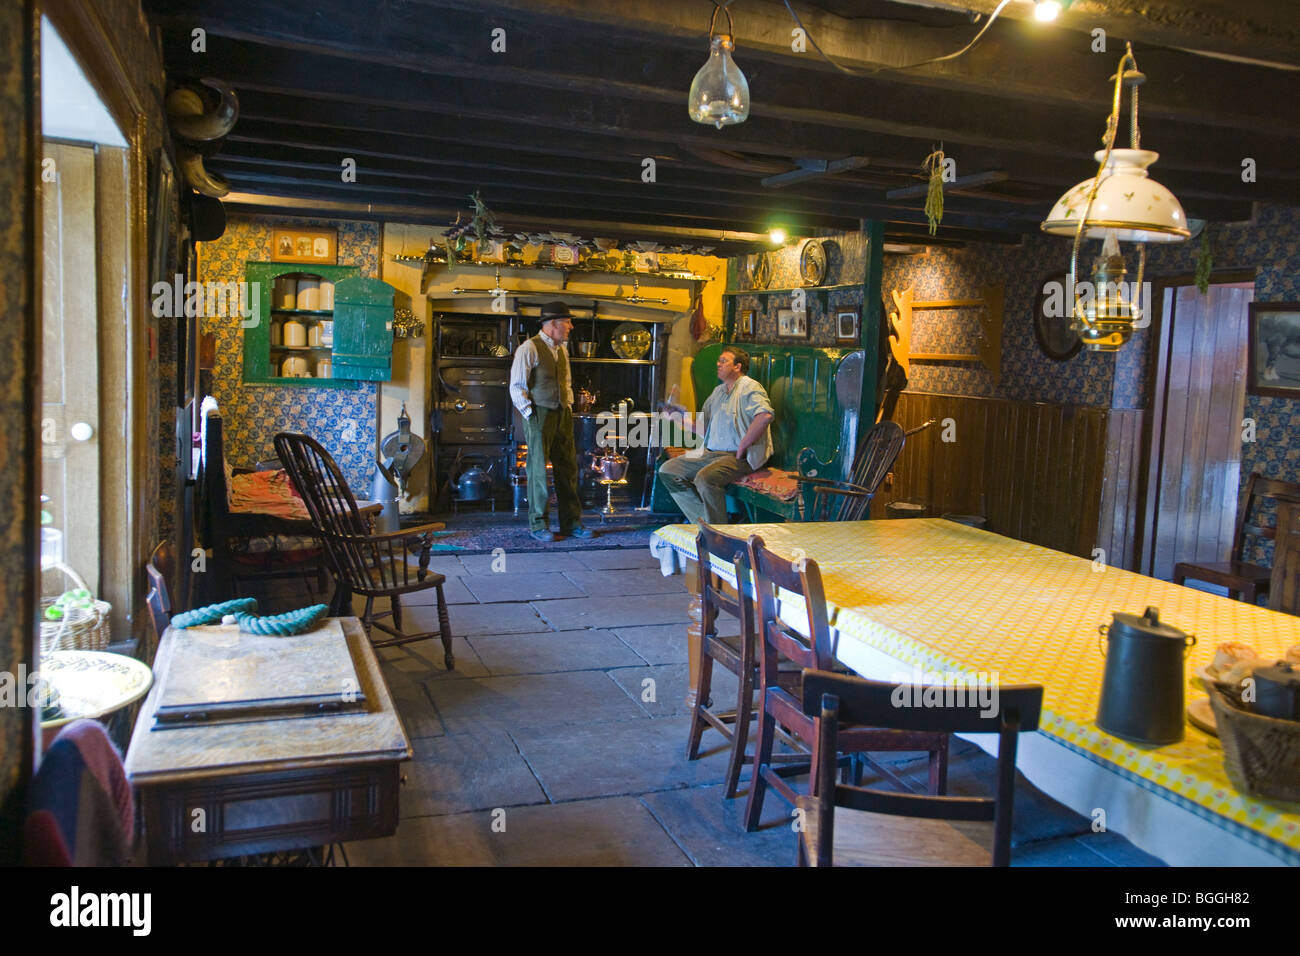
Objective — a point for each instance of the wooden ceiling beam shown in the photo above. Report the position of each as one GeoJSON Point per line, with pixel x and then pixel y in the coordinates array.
{"type": "Point", "coordinates": [324, 78]}
{"type": "Point", "coordinates": [684, 186]}
{"type": "Point", "coordinates": [555, 59]}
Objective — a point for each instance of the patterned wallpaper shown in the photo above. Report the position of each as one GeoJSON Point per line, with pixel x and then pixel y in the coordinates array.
{"type": "Point", "coordinates": [1027, 374]}
{"type": "Point", "coordinates": [342, 420]}
{"type": "Point", "coordinates": [846, 256]}
{"type": "Point", "coordinates": [1270, 246]}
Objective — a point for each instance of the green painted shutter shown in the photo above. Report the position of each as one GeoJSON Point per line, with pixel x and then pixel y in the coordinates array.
{"type": "Point", "coordinates": [363, 330]}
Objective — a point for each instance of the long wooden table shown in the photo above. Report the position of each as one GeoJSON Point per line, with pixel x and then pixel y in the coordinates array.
{"type": "Point", "coordinates": [931, 595]}
{"type": "Point", "coordinates": [212, 791]}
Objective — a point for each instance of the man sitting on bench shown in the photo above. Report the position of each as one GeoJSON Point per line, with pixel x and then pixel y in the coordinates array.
{"type": "Point", "coordinates": [733, 424]}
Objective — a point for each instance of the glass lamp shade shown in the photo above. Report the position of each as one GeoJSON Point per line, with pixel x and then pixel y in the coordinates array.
{"type": "Point", "coordinates": [719, 93]}
{"type": "Point", "coordinates": [1134, 206]}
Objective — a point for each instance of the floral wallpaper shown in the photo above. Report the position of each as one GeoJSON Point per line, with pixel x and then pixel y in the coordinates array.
{"type": "Point", "coordinates": [342, 420]}
{"type": "Point", "coordinates": [846, 262]}
{"type": "Point", "coordinates": [1270, 245]}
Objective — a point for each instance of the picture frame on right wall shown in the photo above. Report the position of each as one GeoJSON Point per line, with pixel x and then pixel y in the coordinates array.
{"type": "Point", "coordinates": [848, 324]}
{"type": "Point", "coordinates": [1273, 351]}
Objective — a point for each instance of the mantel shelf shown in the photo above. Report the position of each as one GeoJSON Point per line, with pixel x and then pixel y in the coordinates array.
{"type": "Point", "coordinates": [576, 270]}
{"type": "Point", "coordinates": [804, 288]}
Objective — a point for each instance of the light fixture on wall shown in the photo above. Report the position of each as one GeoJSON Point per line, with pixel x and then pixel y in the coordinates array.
{"type": "Point", "coordinates": [1120, 204]}
{"type": "Point", "coordinates": [776, 236]}
{"type": "Point", "coordinates": [1046, 11]}
{"type": "Point", "coordinates": [719, 93]}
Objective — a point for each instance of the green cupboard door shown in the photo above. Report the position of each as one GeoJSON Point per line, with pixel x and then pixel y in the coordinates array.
{"type": "Point", "coordinates": [363, 329]}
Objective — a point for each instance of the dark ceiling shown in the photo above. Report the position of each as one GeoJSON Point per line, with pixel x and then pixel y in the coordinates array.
{"type": "Point", "coordinates": [554, 130]}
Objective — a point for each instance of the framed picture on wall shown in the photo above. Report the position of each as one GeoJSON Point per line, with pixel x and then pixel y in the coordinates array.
{"type": "Point", "coordinates": [1273, 352]}
{"type": "Point", "coordinates": [791, 324]}
{"type": "Point", "coordinates": [847, 324]}
{"type": "Point", "coordinates": [317, 246]}
{"type": "Point", "coordinates": [748, 323]}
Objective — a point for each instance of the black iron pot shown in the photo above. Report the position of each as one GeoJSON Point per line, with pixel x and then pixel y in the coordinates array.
{"type": "Point", "coordinates": [1142, 691]}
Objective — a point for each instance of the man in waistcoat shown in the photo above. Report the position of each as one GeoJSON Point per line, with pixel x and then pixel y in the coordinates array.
{"type": "Point", "coordinates": [542, 389]}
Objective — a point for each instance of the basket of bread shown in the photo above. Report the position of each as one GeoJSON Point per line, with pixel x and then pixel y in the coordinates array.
{"type": "Point", "coordinates": [1256, 703]}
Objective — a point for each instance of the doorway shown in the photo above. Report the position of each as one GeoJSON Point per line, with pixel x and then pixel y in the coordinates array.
{"type": "Point", "coordinates": [1195, 424]}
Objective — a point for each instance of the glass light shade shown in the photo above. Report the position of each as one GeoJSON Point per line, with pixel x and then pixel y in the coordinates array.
{"type": "Point", "coordinates": [1128, 201]}
{"type": "Point", "coordinates": [719, 93]}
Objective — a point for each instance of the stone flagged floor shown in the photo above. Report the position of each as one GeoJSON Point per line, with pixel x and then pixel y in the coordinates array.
{"type": "Point", "coordinates": [560, 738]}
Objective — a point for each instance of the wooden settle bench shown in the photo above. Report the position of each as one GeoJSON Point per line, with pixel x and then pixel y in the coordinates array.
{"type": "Point", "coordinates": [816, 395]}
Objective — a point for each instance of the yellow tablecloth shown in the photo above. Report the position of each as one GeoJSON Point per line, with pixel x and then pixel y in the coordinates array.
{"type": "Point", "coordinates": [945, 597]}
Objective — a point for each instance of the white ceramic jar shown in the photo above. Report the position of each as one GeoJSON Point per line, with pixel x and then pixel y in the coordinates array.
{"type": "Point", "coordinates": [324, 368]}
{"type": "Point", "coordinates": [313, 335]}
{"type": "Point", "coordinates": [286, 292]}
{"type": "Point", "coordinates": [326, 295]}
{"type": "Point", "coordinates": [309, 293]}
{"type": "Point", "coordinates": [295, 334]}
{"type": "Point", "coordinates": [326, 333]}
{"type": "Point", "coordinates": [277, 333]}
{"type": "Point", "coordinates": [294, 366]}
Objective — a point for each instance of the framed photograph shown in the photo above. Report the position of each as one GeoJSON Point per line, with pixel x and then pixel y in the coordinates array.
{"type": "Point", "coordinates": [791, 324]}
{"type": "Point", "coordinates": [317, 246]}
{"type": "Point", "coordinates": [1273, 354]}
{"type": "Point", "coordinates": [846, 325]}
{"type": "Point", "coordinates": [748, 323]}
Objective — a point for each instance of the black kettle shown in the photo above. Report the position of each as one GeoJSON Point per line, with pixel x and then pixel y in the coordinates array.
{"type": "Point", "coordinates": [1142, 691]}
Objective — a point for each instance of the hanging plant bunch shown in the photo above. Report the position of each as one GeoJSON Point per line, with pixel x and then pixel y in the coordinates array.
{"type": "Point", "coordinates": [483, 222]}
{"type": "Point", "coordinates": [1204, 262]}
{"type": "Point", "coordinates": [933, 165]}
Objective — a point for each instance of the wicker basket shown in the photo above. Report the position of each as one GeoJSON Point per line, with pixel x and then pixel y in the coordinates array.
{"type": "Point", "coordinates": [80, 629]}
{"type": "Point", "coordinates": [1261, 754]}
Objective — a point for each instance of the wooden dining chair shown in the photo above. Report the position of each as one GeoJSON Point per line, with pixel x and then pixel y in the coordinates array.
{"type": "Point", "coordinates": [372, 565]}
{"type": "Point", "coordinates": [834, 500]}
{"type": "Point", "coordinates": [1244, 580]}
{"type": "Point", "coordinates": [835, 700]}
{"type": "Point", "coordinates": [809, 648]}
{"type": "Point", "coordinates": [736, 654]}
{"type": "Point", "coordinates": [161, 571]}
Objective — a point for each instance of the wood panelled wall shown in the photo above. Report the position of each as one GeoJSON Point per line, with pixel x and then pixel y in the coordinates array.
{"type": "Point", "coordinates": [1040, 473]}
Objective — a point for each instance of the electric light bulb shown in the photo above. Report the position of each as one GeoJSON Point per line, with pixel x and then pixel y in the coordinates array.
{"type": "Point", "coordinates": [1047, 10]}
{"type": "Point", "coordinates": [777, 236]}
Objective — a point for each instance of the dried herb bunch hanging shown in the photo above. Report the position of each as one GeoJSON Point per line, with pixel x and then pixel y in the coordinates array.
{"type": "Point", "coordinates": [933, 164]}
{"type": "Point", "coordinates": [1204, 262]}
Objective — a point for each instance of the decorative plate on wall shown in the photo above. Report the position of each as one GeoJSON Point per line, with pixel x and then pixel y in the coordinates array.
{"type": "Point", "coordinates": [1055, 337]}
{"type": "Point", "coordinates": [812, 262]}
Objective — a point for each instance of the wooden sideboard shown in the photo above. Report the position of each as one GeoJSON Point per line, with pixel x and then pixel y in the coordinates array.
{"type": "Point", "coordinates": [215, 791]}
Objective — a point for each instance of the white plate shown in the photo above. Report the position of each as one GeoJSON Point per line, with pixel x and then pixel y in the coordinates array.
{"type": "Point", "coordinates": [93, 683]}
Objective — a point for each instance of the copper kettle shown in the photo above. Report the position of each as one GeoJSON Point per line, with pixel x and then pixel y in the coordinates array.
{"type": "Point", "coordinates": [612, 467]}
{"type": "Point", "coordinates": [584, 399]}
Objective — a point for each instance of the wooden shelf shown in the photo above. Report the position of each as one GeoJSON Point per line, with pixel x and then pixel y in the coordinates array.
{"type": "Point", "coordinates": [610, 361]}
{"type": "Point", "coordinates": [579, 270]}
{"type": "Point", "coordinates": [307, 312]}
{"type": "Point", "coordinates": [803, 288]}
{"type": "Point", "coordinates": [302, 348]}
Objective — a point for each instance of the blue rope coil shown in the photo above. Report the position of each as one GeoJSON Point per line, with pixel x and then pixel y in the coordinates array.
{"type": "Point", "coordinates": [282, 625]}
{"type": "Point", "coordinates": [213, 613]}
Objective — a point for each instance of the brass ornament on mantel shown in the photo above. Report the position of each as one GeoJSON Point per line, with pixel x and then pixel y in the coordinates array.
{"type": "Point", "coordinates": [406, 325]}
